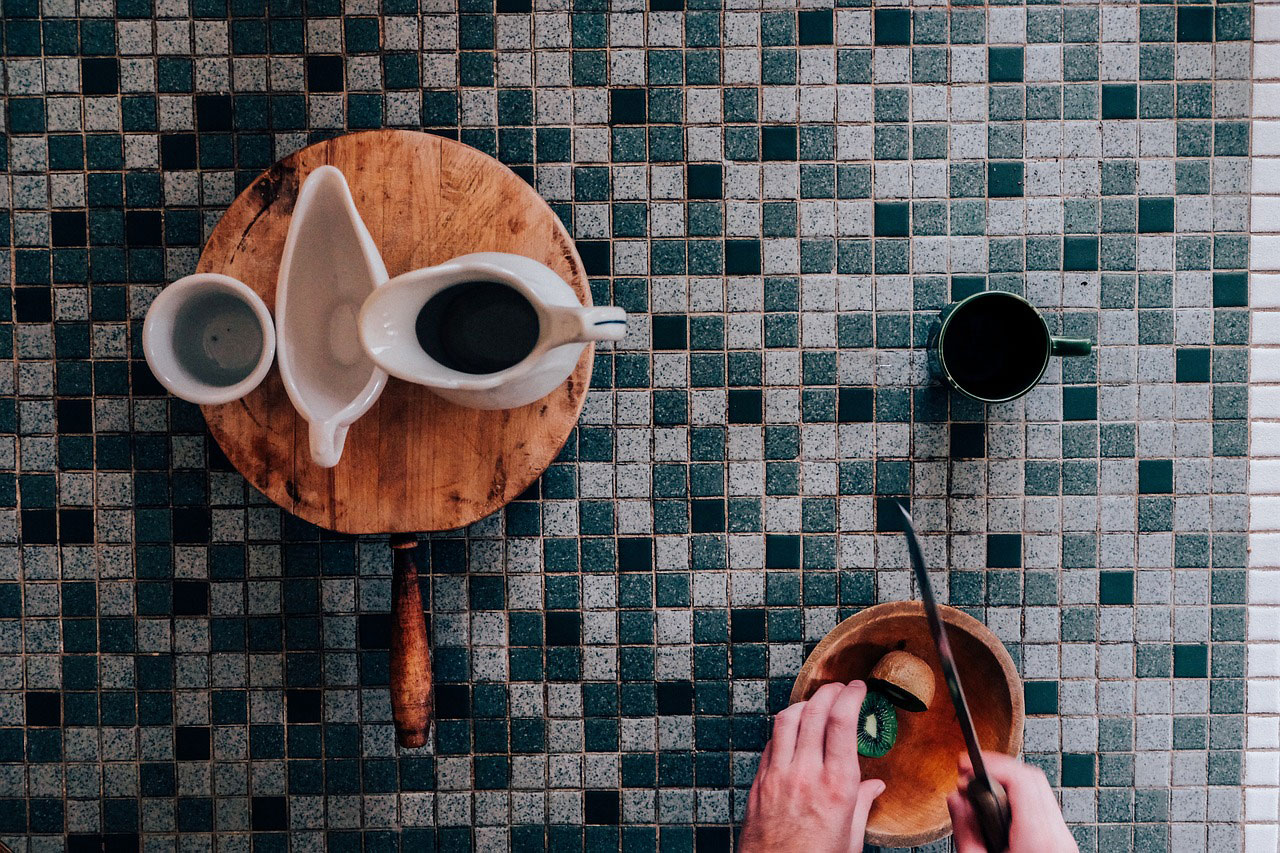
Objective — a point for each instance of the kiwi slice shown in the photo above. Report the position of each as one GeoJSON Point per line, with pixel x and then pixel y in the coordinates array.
{"type": "Point", "coordinates": [877, 725]}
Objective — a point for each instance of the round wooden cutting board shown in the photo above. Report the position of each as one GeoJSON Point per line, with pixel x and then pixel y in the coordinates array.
{"type": "Point", "coordinates": [415, 462]}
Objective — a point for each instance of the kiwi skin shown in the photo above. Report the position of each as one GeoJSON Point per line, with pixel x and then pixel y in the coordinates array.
{"type": "Point", "coordinates": [886, 725]}
{"type": "Point", "coordinates": [904, 679]}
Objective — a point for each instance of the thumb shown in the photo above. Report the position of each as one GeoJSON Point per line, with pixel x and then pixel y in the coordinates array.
{"type": "Point", "coordinates": [964, 823]}
{"type": "Point", "coordinates": [868, 790]}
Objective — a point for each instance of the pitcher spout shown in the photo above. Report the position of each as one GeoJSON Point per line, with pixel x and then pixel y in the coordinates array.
{"type": "Point", "coordinates": [327, 439]}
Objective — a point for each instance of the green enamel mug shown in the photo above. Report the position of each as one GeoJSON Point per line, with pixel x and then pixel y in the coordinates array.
{"type": "Point", "coordinates": [994, 346]}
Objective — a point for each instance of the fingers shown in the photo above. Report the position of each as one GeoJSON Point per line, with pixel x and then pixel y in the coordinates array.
{"type": "Point", "coordinates": [841, 749]}
{"type": "Point", "coordinates": [753, 797]}
{"type": "Point", "coordinates": [1030, 797]}
{"type": "Point", "coordinates": [785, 727]}
{"type": "Point", "coordinates": [1021, 781]}
{"type": "Point", "coordinates": [813, 723]}
{"type": "Point", "coordinates": [765, 757]}
{"type": "Point", "coordinates": [964, 823]}
{"type": "Point", "coordinates": [867, 793]}
{"type": "Point", "coordinates": [998, 765]}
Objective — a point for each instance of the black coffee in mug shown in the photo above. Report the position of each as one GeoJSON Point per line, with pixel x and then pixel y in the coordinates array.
{"type": "Point", "coordinates": [478, 327]}
{"type": "Point", "coordinates": [994, 346]}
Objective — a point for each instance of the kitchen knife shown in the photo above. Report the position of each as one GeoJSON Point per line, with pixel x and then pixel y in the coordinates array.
{"type": "Point", "coordinates": [988, 797]}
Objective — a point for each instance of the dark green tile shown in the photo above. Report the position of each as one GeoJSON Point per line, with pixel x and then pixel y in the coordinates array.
{"type": "Point", "coordinates": [856, 405]}
{"type": "Point", "coordinates": [892, 26]}
{"type": "Point", "coordinates": [1080, 253]}
{"type": "Point", "coordinates": [1191, 660]}
{"type": "Point", "coordinates": [1004, 550]}
{"type": "Point", "coordinates": [817, 26]}
{"type": "Point", "coordinates": [1004, 179]}
{"type": "Point", "coordinates": [1119, 100]}
{"type": "Point", "coordinates": [1192, 364]}
{"type": "Point", "coordinates": [778, 142]}
{"type": "Point", "coordinates": [1155, 476]}
{"type": "Point", "coordinates": [1004, 64]}
{"type": "Point", "coordinates": [1155, 215]}
{"type": "Point", "coordinates": [1080, 403]}
{"type": "Point", "coordinates": [1077, 770]}
{"type": "Point", "coordinates": [1115, 587]}
{"type": "Point", "coordinates": [705, 180]}
{"type": "Point", "coordinates": [1195, 23]}
{"type": "Point", "coordinates": [892, 219]}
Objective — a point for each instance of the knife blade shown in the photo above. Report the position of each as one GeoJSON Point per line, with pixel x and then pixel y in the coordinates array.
{"type": "Point", "coordinates": [988, 797]}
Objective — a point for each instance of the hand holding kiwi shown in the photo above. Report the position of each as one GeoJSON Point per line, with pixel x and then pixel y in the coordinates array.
{"type": "Point", "coordinates": [809, 795]}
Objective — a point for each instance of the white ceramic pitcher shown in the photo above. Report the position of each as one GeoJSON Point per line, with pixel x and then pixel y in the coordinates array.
{"type": "Point", "coordinates": [388, 318]}
{"type": "Point", "coordinates": [330, 264]}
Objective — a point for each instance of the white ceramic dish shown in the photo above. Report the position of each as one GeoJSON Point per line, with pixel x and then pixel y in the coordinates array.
{"type": "Point", "coordinates": [330, 266]}
{"type": "Point", "coordinates": [388, 330]}
{"type": "Point", "coordinates": [208, 338]}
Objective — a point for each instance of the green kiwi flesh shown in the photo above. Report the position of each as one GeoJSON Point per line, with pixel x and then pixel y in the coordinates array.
{"type": "Point", "coordinates": [877, 725]}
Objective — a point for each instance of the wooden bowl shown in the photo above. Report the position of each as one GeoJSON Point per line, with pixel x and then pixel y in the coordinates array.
{"type": "Point", "coordinates": [920, 770]}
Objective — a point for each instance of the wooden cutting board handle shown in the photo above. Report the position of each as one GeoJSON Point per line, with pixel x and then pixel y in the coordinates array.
{"type": "Point", "coordinates": [410, 651]}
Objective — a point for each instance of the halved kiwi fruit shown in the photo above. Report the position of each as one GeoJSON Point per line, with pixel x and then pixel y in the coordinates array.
{"type": "Point", "coordinates": [877, 725]}
{"type": "Point", "coordinates": [904, 679]}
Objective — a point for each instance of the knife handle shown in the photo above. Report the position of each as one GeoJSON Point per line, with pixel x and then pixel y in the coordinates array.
{"type": "Point", "coordinates": [991, 806]}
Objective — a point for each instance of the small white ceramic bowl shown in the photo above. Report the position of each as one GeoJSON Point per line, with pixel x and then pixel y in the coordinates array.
{"type": "Point", "coordinates": [208, 338]}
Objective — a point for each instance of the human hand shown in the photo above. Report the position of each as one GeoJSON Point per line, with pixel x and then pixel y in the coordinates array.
{"type": "Point", "coordinates": [808, 794]}
{"type": "Point", "coordinates": [1036, 826]}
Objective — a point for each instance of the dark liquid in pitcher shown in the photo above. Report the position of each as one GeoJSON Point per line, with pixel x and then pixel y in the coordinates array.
{"type": "Point", "coordinates": [478, 327]}
{"type": "Point", "coordinates": [995, 346]}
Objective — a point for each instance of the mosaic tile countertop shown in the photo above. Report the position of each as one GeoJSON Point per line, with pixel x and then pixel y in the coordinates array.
{"type": "Point", "coordinates": [784, 198]}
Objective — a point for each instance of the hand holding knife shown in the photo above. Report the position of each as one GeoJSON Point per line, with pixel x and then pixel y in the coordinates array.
{"type": "Point", "coordinates": [988, 797]}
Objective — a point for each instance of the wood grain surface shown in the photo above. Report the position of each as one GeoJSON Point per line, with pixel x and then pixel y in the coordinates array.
{"type": "Point", "coordinates": [415, 462]}
{"type": "Point", "coordinates": [920, 770]}
{"type": "Point", "coordinates": [410, 658]}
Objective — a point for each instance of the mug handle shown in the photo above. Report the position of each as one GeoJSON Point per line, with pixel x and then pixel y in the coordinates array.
{"type": "Point", "coordinates": [605, 323]}
{"type": "Point", "coordinates": [1070, 346]}
{"type": "Point", "coordinates": [577, 325]}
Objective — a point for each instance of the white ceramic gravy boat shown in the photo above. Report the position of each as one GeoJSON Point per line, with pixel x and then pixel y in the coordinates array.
{"type": "Point", "coordinates": [330, 266]}
{"type": "Point", "coordinates": [388, 332]}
